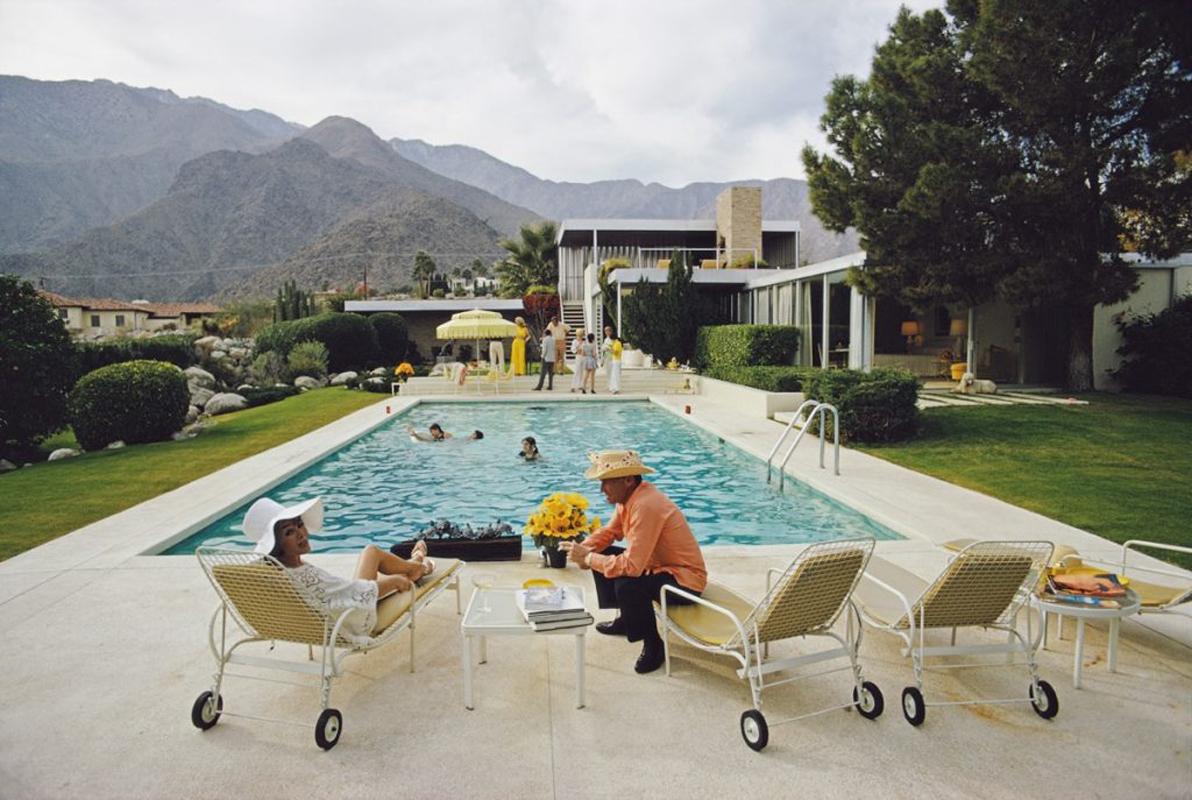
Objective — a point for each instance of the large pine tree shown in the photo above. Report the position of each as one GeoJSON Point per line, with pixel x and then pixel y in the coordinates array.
{"type": "Point", "coordinates": [1009, 149]}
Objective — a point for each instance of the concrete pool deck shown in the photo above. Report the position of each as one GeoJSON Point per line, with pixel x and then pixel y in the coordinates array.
{"type": "Point", "coordinates": [105, 651]}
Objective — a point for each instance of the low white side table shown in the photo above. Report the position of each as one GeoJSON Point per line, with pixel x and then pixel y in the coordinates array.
{"type": "Point", "coordinates": [494, 612]}
{"type": "Point", "coordinates": [1129, 605]}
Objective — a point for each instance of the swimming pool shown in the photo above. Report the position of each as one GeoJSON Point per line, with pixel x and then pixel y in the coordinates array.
{"type": "Point", "coordinates": [384, 487]}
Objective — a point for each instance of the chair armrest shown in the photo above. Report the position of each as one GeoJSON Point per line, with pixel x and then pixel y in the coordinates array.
{"type": "Point", "coordinates": [770, 573]}
{"type": "Point", "coordinates": [696, 599]}
{"type": "Point", "coordinates": [897, 593]}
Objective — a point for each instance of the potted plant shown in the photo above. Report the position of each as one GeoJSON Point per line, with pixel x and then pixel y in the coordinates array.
{"type": "Point", "coordinates": [560, 518]}
{"type": "Point", "coordinates": [403, 371]}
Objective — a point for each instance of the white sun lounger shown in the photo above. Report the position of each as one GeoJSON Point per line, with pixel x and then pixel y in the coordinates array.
{"type": "Point", "coordinates": [806, 600]}
{"type": "Point", "coordinates": [984, 586]}
{"type": "Point", "coordinates": [258, 596]}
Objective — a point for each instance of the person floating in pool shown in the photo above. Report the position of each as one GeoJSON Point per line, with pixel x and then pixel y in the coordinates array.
{"type": "Point", "coordinates": [659, 550]}
{"type": "Point", "coordinates": [437, 434]}
{"type": "Point", "coordinates": [284, 534]}
{"type": "Point", "coordinates": [529, 450]}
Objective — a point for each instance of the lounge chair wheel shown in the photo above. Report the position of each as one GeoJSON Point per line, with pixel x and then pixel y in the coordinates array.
{"type": "Point", "coordinates": [754, 729]}
{"type": "Point", "coordinates": [328, 728]}
{"type": "Point", "coordinates": [206, 710]}
{"type": "Point", "coordinates": [1043, 700]}
{"type": "Point", "coordinates": [913, 707]}
{"type": "Point", "coordinates": [869, 700]}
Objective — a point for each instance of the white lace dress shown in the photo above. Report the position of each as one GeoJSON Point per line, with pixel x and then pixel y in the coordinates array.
{"type": "Point", "coordinates": [323, 590]}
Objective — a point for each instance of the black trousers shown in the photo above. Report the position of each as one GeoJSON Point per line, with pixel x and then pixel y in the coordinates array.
{"type": "Point", "coordinates": [547, 372]}
{"type": "Point", "coordinates": [635, 597]}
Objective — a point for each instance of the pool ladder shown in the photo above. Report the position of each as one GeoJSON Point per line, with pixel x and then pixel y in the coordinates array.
{"type": "Point", "coordinates": [822, 410]}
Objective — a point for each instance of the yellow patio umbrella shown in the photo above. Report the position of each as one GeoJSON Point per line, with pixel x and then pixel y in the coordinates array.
{"type": "Point", "coordinates": [476, 324]}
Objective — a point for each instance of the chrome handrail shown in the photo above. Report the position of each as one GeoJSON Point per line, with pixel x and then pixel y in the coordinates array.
{"type": "Point", "coordinates": [785, 431]}
{"type": "Point", "coordinates": [821, 409]}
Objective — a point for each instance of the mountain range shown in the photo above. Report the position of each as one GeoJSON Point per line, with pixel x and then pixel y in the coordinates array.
{"type": "Point", "coordinates": [107, 189]}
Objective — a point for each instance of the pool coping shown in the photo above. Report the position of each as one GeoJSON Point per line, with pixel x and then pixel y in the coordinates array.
{"type": "Point", "coordinates": [902, 500]}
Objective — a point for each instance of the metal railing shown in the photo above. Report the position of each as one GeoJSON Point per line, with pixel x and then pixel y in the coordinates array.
{"type": "Point", "coordinates": [817, 408]}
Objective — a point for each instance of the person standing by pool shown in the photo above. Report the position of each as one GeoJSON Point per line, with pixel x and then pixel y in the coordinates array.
{"type": "Point", "coordinates": [577, 370]}
{"type": "Point", "coordinates": [611, 352]}
{"type": "Point", "coordinates": [559, 331]}
{"type": "Point", "coordinates": [660, 550]}
{"type": "Point", "coordinates": [517, 357]}
{"type": "Point", "coordinates": [587, 360]}
{"type": "Point", "coordinates": [546, 369]}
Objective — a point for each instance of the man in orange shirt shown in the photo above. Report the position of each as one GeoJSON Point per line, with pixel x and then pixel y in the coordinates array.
{"type": "Point", "coordinates": [659, 550]}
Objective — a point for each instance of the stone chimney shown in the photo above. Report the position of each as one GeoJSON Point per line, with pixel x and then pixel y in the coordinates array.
{"type": "Point", "coordinates": [739, 222]}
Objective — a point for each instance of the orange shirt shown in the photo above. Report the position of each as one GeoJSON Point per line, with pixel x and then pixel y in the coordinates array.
{"type": "Point", "coordinates": [657, 539]}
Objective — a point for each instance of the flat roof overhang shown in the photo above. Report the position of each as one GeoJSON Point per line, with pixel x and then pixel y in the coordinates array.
{"type": "Point", "coordinates": [414, 306]}
{"type": "Point", "coordinates": [578, 232]}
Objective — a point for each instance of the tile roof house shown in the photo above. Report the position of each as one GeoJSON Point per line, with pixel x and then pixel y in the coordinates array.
{"type": "Point", "coordinates": [91, 317]}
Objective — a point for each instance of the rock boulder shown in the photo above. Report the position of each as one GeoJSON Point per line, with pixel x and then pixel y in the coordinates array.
{"type": "Point", "coordinates": [225, 402]}
{"type": "Point", "coordinates": [342, 378]}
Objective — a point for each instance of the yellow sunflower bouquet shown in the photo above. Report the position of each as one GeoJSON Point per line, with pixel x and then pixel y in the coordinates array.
{"type": "Point", "coordinates": [559, 518]}
{"type": "Point", "coordinates": [403, 371]}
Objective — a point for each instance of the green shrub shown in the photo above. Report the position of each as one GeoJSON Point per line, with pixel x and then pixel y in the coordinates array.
{"type": "Point", "coordinates": [271, 394]}
{"type": "Point", "coordinates": [770, 379]}
{"type": "Point", "coordinates": [176, 348]}
{"type": "Point", "coordinates": [269, 368]}
{"type": "Point", "coordinates": [393, 336]}
{"type": "Point", "coordinates": [438, 293]}
{"type": "Point", "coordinates": [350, 340]}
{"type": "Point", "coordinates": [133, 401]}
{"type": "Point", "coordinates": [1158, 349]}
{"type": "Point", "coordinates": [307, 358]}
{"type": "Point", "coordinates": [745, 261]}
{"type": "Point", "coordinates": [878, 406]}
{"type": "Point", "coordinates": [718, 346]}
{"type": "Point", "coordinates": [36, 366]}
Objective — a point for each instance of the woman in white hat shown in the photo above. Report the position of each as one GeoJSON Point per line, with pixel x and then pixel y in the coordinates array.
{"type": "Point", "coordinates": [284, 534]}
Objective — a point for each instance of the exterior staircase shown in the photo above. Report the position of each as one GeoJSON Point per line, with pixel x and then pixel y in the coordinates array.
{"type": "Point", "coordinates": [573, 316]}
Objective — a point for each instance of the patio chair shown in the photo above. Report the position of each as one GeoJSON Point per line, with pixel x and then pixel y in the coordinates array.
{"type": "Point", "coordinates": [806, 600]}
{"type": "Point", "coordinates": [259, 598]}
{"type": "Point", "coordinates": [984, 586]}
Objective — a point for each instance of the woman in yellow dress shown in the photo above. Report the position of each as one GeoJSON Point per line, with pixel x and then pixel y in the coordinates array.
{"type": "Point", "coordinates": [517, 359]}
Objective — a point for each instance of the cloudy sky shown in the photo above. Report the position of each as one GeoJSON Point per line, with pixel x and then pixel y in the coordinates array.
{"type": "Point", "coordinates": [673, 91]}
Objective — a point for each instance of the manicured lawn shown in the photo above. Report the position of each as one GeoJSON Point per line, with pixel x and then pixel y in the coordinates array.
{"type": "Point", "coordinates": [1120, 467]}
{"type": "Point", "coordinates": [47, 500]}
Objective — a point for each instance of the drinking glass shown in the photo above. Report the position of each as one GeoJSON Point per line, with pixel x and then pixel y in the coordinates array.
{"type": "Point", "coordinates": [483, 581]}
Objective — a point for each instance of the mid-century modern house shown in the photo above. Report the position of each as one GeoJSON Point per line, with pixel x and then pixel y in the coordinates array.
{"type": "Point", "coordinates": [840, 326]}
{"type": "Point", "coordinates": [88, 317]}
{"type": "Point", "coordinates": [725, 252]}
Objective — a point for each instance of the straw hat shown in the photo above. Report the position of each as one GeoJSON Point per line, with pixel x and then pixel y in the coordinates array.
{"type": "Point", "coordinates": [615, 464]}
{"type": "Point", "coordinates": [264, 514]}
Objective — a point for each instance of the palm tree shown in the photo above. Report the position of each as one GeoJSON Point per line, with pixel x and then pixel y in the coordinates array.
{"type": "Point", "coordinates": [424, 270]}
{"type": "Point", "coordinates": [531, 260]}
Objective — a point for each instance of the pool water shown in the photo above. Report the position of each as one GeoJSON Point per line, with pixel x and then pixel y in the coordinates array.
{"type": "Point", "coordinates": [384, 487]}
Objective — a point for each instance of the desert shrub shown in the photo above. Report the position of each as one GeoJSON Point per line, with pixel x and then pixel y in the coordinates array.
{"type": "Point", "coordinates": [877, 406]}
{"type": "Point", "coordinates": [1158, 351]}
{"type": "Point", "coordinates": [718, 346]}
{"type": "Point", "coordinates": [266, 395]}
{"type": "Point", "coordinates": [175, 348]}
{"type": "Point", "coordinates": [393, 336]}
{"type": "Point", "coordinates": [269, 368]}
{"type": "Point", "coordinates": [349, 339]}
{"type": "Point", "coordinates": [307, 358]}
{"type": "Point", "coordinates": [745, 261]}
{"type": "Point", "coordinates": [36, 365]}
{"type": "Point", "coordinates": [133, 401]}
{"type": "Point", "coordinates": [766, 378]}
{"type": "Point", "coordinates": [439, 293]}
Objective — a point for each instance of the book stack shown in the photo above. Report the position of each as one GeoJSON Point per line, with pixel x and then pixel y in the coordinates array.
{"type": "Point", "coordinates": [1102, 590]}
{"type": "Point", "coordinates": [552, 609]}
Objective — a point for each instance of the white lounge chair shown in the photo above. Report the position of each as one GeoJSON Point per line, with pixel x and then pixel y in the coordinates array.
{"type": "Point", "coordinates": [806, 599]}
{"type": "Point", "coordinates": [984, 586]}
{"type": "Point", "coordinates": [257, 595]}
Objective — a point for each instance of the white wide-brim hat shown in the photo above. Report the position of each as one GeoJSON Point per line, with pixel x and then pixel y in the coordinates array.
{"type": "Point", "coordinates": [264, 514]}
{"type": "Point", "coordinates": [615, 464]}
